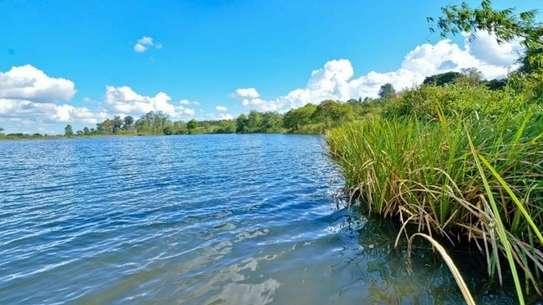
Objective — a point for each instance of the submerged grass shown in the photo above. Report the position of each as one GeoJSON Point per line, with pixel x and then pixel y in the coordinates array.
{"type": "Point", "coordinates": [449, 262]}
{"type": "Point", "coordinates": [472, 173]}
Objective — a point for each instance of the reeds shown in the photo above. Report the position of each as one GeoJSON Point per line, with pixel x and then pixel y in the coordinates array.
{"type": "Point", "coordinates": [449, 262]}
{"type": "Point", "coordinates": [469, 177]}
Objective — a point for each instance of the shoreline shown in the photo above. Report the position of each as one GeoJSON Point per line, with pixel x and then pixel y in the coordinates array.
{"type": "Point", "coordinates": [5, 138]}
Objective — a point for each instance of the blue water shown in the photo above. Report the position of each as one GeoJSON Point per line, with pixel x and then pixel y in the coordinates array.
{"type": "Point", "coordinates": [213, 219]}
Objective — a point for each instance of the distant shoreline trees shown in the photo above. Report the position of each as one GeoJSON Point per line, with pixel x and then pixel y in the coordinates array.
{"type": "Point", "coordinates": [308, 119]}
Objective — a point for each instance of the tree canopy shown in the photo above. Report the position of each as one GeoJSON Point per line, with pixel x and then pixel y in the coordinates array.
{"type": "Point", "coordinates": [506, 24]}
{"type": "Point", "coordinates": [387, 91]}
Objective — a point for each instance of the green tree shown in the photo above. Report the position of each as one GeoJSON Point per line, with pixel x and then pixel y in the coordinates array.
{"type": "Point", "coordinates": [241, 123]}
{"type": "Point", "coordinates": [117, 124]}
{"type": "Point", "coordinates": [167, 130]}
{"type": "Point", "coordinates": [128, 122]}
{"type": "Point", "coordinates": [387, 91]}
{"type": "Point", "coordinates": [271, 122]}
{"type": "Point", "coordinates": [179, 127]}
{"type": "Point", "coordinates": [68, 131]}
{"type": "Point", "coordinates": [296, 118]}
{"type": "Point", "coordinates": [331, 113]}
{"type": "Point", "coordinates": [106, 127]}
{"type": "Point", "coordinates": [191, 125]}
{"type": "Point", "coordinates": [506, 24]}
{"type": "Point", "coordinates": [153, 123]}
{"type": "Point", "coordinates": [254, 121]}
{"type": "Point", "coordinates": [226, 126]}
{"type": "Point", "coordinates": [442, 79]}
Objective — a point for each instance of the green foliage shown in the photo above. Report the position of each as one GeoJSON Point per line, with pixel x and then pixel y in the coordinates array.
{"type": "Point", "coordinates": [296, 118]}
{"type": "Point", "coordinates": [387, 91]}
{"type": "Point", "coordinates": [259, 122]}
{"type": "Point", "coordinates": [332, 113]}
{"type": "Point", "coordinates": [442, 79]}
{"type": "Point", "coordinates": [68, 131]}
{"type": "Point", "coordinates": [461, 99]}
{"type": "Point", "coordinates": [192, 125]}
{"type": "Point", "coordinates": [415, 163]}
{"type": "Point", "coordinates": [505, 24]}
{"type": "Point", "coordinates": [128, 121]}
{"type": "Point", "coordinates": [150, 123]}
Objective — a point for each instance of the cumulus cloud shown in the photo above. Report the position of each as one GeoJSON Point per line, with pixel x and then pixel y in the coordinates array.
{"type": "Point", "coordinates": [48, 112]}
{"type": "Point", "coordinates": [144, 43]}
{"type": "Point", "coordinates": [124, 101]}
{"type": "Point", "coordinates": [29, 99]}
{"type": "Point", "coordinates": [335, 79]}
{"type": "Point", "coordinates": [221, 109]}
{"type": "Point", "coordinates": [29, 83]}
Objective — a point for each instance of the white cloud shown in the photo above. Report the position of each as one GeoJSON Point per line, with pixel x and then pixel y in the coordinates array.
{"type": "Point", "coordinates": [247, 93]}
{"type": "Point", "coordinates": [29, 101]}
{"type": "Point", "coordinates": [144, 43]}
{"type": "Point", "coordinates": [221, 109]}
{"type": "Point", "coordinates": [39, 113]}
{"type": "Point", "coordinates": [189, 102]}
{"type": "Point", "coordinates": [124, 101]}
{"type": "Point", "coordinates": [139, 48]}
{"type": "Point", "coordinates": [485, 47]}
{"type": "Point", "coordinates": [335, 80]}
{"type": "Point", "coordinates": [29, 83]}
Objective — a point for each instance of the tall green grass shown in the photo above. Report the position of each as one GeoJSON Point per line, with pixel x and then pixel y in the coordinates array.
{"type": "Point", "coordinates": [462, 163]}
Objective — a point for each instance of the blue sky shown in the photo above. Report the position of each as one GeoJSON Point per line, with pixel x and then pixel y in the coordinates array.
{"type": "Point", "coordinates": [208, 49]}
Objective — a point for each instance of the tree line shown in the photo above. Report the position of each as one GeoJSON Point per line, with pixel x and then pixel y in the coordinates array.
{"type": "Point", "coordinates": [308, 119]}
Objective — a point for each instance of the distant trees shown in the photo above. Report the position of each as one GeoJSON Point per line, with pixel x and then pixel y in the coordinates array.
{"type": "Point", "coordinates": [331, 113]}
{"type": "Point", "coordinates": [68, 131]}
{"type": "Point", "coordinates": [387, 91]}
{"type": "Point", "coordinates": [117, 124]}
{"type": "Point", "coordinates": [471, 76]}
{"type": "Point", "coordinates": [309, 118]}
{"type": "Point", "coordinates": [226, 126]}
{"type": "Point", "coordinates": [167, 131]}
{"type": "Point", "coordinates": [442, 78]}
{"type": "Point", "coordinates": [298, 117]}
{"type": "Point", "coordinates": [152, 123]}
{"type": "Point", "coordinates": [191, 125]}
{"type": "Point", "coordinates": [128, 122]}
{"type": "Point", "coordinates": [259, 122]}
{"type": "Point", "coordinates": [106, 127]}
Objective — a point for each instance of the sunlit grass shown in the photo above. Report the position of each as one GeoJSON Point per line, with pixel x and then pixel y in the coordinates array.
{"type": "Point", "coordinates": [471, 176]}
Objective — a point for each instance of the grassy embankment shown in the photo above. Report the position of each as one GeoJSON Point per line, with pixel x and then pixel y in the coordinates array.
{"type": "Point", "coordinates": [460, 162]}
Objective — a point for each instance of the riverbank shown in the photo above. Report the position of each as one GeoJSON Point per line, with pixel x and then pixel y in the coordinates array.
{"type": "Point", "coordinates": [26, 137]}
{"type": "Point", "coordinates": [461, 162]}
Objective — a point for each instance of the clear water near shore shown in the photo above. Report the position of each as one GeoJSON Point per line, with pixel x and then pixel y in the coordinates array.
{"type": "Point", "coordinates": [216, 219]}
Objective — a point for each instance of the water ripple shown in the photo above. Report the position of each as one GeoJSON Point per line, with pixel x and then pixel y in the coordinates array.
{"type": "Point", "coordinates": [221, 219]}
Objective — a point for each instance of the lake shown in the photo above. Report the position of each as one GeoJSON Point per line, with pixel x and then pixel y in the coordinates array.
{"type": "Point", "coordinates": [211, 219]}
